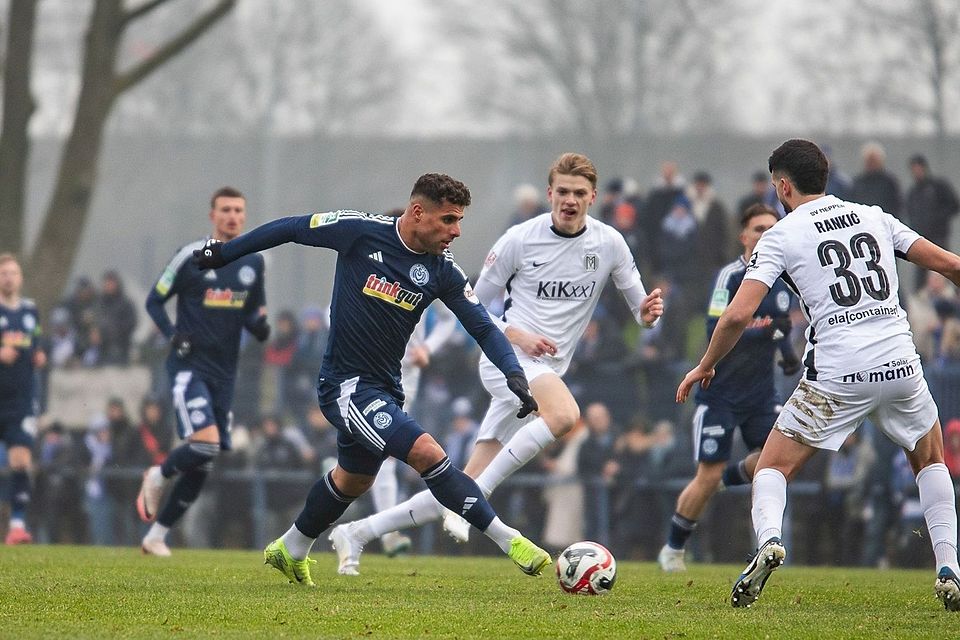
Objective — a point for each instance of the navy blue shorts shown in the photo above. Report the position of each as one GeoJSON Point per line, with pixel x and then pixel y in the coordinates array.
{"type": "Point", "coordinates": [199, 403]}
{"type": "Point", "coordinates": [17, 429]}
{"type": "Point", "coordinates": [713, 430]}
{"type": "Point", "coordinates": [370, 421]}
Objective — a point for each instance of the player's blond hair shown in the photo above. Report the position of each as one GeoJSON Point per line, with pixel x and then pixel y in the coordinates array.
{"type": "Point", "coordinates": [573, 164]}
{"type": "Point", "coordinates": [8, 257]}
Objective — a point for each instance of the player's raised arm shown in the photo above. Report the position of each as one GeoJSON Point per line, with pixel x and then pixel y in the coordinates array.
{"type": "Point", "coordinates": [215, 254]}
{"type": "Point", "coordinates": [729, 327]}
{"type": "Point", "coordinates": [935, 258]}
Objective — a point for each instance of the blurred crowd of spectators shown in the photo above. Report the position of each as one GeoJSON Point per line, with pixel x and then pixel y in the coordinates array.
{"type": "Point", "coordinates": [613, 479]}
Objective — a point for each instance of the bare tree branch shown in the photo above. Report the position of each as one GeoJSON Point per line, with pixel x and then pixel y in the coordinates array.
{"type": "Point", "coordinates": [174, 46]}
{"type": "Point", "coordinates": [142, 10]}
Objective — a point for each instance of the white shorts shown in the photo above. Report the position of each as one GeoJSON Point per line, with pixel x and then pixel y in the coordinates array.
{"type": "Point", "coordinates": [894, 396]}
{"type": "Point", "coordinates": [500, 421]}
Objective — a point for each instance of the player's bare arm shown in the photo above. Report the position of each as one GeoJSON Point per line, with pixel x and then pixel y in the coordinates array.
{"type": "Point", "coordinates": [935, 258]}
{"type": "Point", "coordinates": [735, 318]}
{"type": "Point", "coordinates": [532, 344]}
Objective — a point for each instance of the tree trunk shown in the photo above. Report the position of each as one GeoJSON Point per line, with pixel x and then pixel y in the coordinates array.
{"type": "Point", "coordinates": [51, 261]}
{"type": "Point", "coordinates": [18, 106]}
{"type": "Point", "coordinates": [48, 268]}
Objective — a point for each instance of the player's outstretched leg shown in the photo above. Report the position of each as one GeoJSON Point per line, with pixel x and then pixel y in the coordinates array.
{"type": "Point", "coordinates": [938, 501]}
{"type": "Point", "coordinates": [297, 571]}
{"type": "Point", "coordinates": [455, 490]}
{"type": "Point", "coordinates": [350, 538]}
{"type": "Point", "coordinates": [526, 443]}
{"type": "Point", "coordinates": [748, 586]}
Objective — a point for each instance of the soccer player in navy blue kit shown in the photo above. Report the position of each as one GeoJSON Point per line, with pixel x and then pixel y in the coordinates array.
{"type": "Point", "coordinates": [742, 393]}
{"type": "Point", "coordinates": [388, 271]}
{"type": "Point", "coordinates": [213, 308]}
{"type": "Point", "coordinates": [20, 356]}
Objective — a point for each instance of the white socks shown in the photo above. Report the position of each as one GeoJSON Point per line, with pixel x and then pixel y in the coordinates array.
{"type": "Point", "coordinates": [420, 509]}
{"type": "Point", "coordinates": [526, 443]}
{"type": "Point", "coordinates": [385, 489]}
{"type": "Point", "coordinates": [157, 532]}
{"type": "Point", "coordinates": [501, 534]}
{"type": "Point", "coordinates": [297, 544]}
{"type": "Point", "coordinates": [769, 501]}
{"type": "Point", "coordinates": [939, 510]}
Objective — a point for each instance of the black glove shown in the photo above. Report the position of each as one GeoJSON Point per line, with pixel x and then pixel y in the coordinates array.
{"type": "Point", "coordinates": [181, 344]}
{"type": "Point", "coordinates": [210, 256]}
{"type": "Point", "coordinates": [260, 329]}
{"type": "Point", "coordinates": [790, 363]}
{"type": "Point", "coordinates": [517, 383]}
{"type": "Point", "coordinates": [780, 328]}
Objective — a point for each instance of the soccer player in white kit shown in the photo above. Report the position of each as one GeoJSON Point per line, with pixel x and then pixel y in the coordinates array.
{"type": "Point", "coordinates": [860, 360]}
{"type": "Point", "coordinates": [553, 268]}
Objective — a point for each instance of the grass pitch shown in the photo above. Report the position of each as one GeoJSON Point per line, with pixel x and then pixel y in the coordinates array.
{"type": "Point", "coordinates": [97, 592]}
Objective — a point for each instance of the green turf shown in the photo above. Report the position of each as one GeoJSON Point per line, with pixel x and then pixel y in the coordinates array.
{"type": "Point", "coordinates": [91, 592]}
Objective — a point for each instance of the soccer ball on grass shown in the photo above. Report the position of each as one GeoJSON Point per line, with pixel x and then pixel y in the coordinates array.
{"type": "Point", "coordinates": [586, 568]}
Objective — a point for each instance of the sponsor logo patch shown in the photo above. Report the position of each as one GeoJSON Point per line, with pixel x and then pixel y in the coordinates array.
{"type": "Point", "coordinates": [17, 339]}
{"type": "Point", "coordinates": [391, 292]}
{"type": "Point", "coordinates": [783, 301]}
{"type": "Point", "coordinates": [323, 219]}
{"type": "Point", "coordinates": [224, 298]}
{"type": "Point", "coordinates": [247, 275]}
{"type": "Point", "coordinates": [382, 420]}
{"type": "Point", "coordinates": [419, 274]}
{"type": "Point", "coordinates": [491, 258]}
{"type": "Point", "coordinates": [563, 290]}
{"type": "Point", "coordinates": [165, 281]}
{"type": "Point", "coordinates": [850, 317]}
{"type": "Point", "coordinates": [373, 406]}
{"type": "Point", "coordinates": [718, 302]}
{"type": "Point", "coordinates": [469, 294]}
{"type": "Point", "coordinates": [892, 372]}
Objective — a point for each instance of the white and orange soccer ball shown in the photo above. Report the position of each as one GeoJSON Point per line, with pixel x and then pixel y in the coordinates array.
{"type": "Point", "coordinates": [586, 568]}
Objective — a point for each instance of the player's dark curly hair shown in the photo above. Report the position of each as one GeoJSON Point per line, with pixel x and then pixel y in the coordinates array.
{"type": "Point", "coordinates": [573, 164]}
{"type": "Point", "coordinates": [440, 188]}
{"type": "Point", "coordinates": [803, 162]}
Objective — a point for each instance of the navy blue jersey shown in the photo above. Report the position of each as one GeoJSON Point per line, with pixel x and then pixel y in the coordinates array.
{"type": "Point", "coordinates": [213, 307]}
{"type": "Point", "coordinates": [381, 288]}
{"type": "Point", "coordinates": [20, 329]}
{"type": "Point", "coordinates": [744, 377]}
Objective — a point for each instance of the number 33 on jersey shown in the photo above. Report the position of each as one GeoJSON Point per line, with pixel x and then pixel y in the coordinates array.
{"type": "Point", "coordinates": [842, 256]}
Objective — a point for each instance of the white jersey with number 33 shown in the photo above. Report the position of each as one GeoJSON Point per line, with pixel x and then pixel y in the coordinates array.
{"type": "Point", "coordinates": [840, 258]}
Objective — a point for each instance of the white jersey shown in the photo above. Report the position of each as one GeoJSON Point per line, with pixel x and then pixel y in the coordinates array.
{"type": "Point", "coordinates": [839, 257]}
{"type": "Point", "coordinates": [553, 281]}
